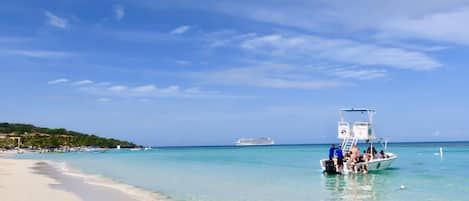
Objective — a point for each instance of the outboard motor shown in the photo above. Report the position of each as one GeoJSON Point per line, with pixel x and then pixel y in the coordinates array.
{"type": "Point", "coordinates": [330, 167]}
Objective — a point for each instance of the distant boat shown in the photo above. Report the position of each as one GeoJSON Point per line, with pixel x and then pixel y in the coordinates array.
{"type": "Point", "coordinates": [254, 141]}
{"type": "Point", "coordinates": [135, 149]}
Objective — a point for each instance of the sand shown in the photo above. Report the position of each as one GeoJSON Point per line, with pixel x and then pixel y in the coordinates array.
{"type": "Point", "coordinates": [33, 180]}
{"type": "Point", "coordinates": [19, 183]}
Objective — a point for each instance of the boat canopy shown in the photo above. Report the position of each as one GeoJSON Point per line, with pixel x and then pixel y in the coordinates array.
{"type": "Point", "coordinates": [360, 130]}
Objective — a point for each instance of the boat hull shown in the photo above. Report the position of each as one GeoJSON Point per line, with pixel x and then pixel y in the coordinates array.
{"type": "Point", "coordinates": [374, 165]}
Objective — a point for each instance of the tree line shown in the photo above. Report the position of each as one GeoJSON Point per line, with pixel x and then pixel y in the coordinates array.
{"type": "Point", "coordinates": [38, 137]}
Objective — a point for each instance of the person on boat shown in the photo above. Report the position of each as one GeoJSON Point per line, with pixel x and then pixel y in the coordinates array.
{"type": "Point", "coordinates": [365, 169]}
{"type": "Point", "coordinates": [366, 156]}
{"type": "Point", "coordinates": [355, 153]}
{"type": "Point", "coordinates": [382, 154]}
{"type": "Point", "coordinates": [371, 150]}
{"type": "Point", "coordinates": [331, 152]}
{"type": "Point", "coordinates": [340, 158]}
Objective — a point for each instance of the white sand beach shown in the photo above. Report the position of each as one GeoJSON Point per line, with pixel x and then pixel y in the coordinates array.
{"type": "Point", "coordinates": [19, 183]}
{"type": "Point", "coordinates": [27, 180]}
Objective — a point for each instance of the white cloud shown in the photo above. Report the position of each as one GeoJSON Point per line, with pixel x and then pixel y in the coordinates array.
{"type": "Point", "coordinates": [181, 29]}
{"type": "Point", "coordinates": [55, 20]}
{"type": "Point", "coordinates": [193, 90]}
{"type": "Point", "coordinates": [119, 12]}
{"type": "Point", "coordinates": [103, 100]}
{"type": "Point", "coordinates": [309, 47]}
{"type": "Point", "coordinates": [423, 19]}
{"type": "Point", "coordinates": [360, 74]}
{"type": "Point", "coordinates": [43, 54]}
{"type": "Point", "coordinates": [58, 81]}
{"type": "Point", "coordinates": [447, 26]}
{"type": "Point", "coordinates": [268, 75]}
{"type": "Point", "coordinates": [118, 88]}
{"type": "Point", "coordinates": [103, 84]}
{"type": "Point", "coordinates": [83, 82]}
{"type": "Point", "coordinates": [104, 92]}
{"type": "Point", "coordinates": [183, 62]}
{"type": "Point", "coordinates": [332, 15]}
{"type": "Point", "coordinates": [170, 89]}
{"type": "Point", "coordinates": [145, 88]}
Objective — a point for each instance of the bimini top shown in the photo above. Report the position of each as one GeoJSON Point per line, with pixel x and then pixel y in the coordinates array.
{"type": "Point", "coordinates": [356, 109]}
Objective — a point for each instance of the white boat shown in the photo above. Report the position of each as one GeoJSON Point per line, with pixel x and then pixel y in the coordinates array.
{"type": "Point", "coordinates": [360, 131]}
{"type": "Point", "coordinates": [254, 141]}
{"type": "Point", "coordinates": [136, 149]}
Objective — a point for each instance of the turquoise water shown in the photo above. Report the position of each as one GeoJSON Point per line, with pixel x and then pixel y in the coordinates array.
{"type": "Point", "coordinates": [280, 173]}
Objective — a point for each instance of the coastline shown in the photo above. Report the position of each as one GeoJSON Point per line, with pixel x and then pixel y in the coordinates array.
{"type": "Point", "coordinates": [25, 180]}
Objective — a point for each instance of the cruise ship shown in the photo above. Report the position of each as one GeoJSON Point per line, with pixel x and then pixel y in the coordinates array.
{"type": "Point", "coordinates": [254, 141]}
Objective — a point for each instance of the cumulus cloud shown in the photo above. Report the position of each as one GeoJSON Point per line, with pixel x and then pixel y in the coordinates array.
{"type": "Point", "coordinates": [181, 29]}
{"type": "Point", "coordinates": [58, 81]}
{"type": "Point", "coordinates": [55, 20]}
{"type": "Point", "coordinates": [119, 12]}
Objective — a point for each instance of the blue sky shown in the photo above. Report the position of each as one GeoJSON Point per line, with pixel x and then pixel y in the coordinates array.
{"type": "Point", "coordinates": [209, 72]}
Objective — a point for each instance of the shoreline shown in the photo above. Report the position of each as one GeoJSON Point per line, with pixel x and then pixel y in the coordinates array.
{"type": "Point", "coordinates": [25, 180]}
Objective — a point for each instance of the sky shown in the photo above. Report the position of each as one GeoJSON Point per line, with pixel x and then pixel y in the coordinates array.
{"type": "Point", "coordinates": [171, 73]}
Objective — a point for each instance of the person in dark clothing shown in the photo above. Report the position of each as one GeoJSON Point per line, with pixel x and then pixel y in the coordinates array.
{"type": "Point", "coordinates": [331, 152]}
{"type": "Point", "coordinates": [340, 158]}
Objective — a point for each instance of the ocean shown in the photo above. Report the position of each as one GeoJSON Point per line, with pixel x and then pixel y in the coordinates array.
{"type": "Point", "coordinates": [279, 173]}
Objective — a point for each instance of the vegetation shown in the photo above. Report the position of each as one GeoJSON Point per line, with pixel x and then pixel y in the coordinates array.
{"type": "Point", "coordinates": [37, 137]}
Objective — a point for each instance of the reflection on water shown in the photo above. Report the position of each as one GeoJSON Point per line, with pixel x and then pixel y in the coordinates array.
{"type": "Point", "coordinates": [357, 186]}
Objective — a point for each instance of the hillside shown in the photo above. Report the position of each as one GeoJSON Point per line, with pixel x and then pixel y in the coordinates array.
{"type": "Point", "coordinates": [38, 137]}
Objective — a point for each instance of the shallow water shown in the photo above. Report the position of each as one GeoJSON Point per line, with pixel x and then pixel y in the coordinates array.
{"type": "Point", "coordinates": [279, 173]}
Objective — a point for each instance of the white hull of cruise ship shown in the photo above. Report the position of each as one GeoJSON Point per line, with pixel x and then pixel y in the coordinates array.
{"type": "Point", "coordinates": [254, 142]}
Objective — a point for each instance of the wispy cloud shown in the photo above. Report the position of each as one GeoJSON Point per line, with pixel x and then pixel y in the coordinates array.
{"type": "Point", "coordinates": [145, 88]}
{"type": "Point", "coordinates": [58, 81]}
{"type": "Point", "coordinates": [360, 74]}
{"type": "Point", "coordinates": [183, 62]}
{"type": "Point", "coordinates": [103, 83]}
{"type": "Point", "coordinates": [45, 54]}
{"type": "Point", "coordinates": [442, 26]}
{"type": "Point", "coordinates": [103, 100]}
{"type": "Point", "coordinates": [119, 12]}
{"type": "Point", "coordinates": [82, 82]}
{"type": "Point", "coordinates": [118, 88]}
{"type": "Point", "coordinates": [269, 75]}
{"type": "Point", "coordinates": [147, 91]}
{"type": "Point", "coordinates": [308, 47]}
{"type": "Point", "coordinates": [171, 89]}
{"type": "Point", "coordinates": [181, 29]}
{"type": "Point", "coordinates": [55, 20]}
